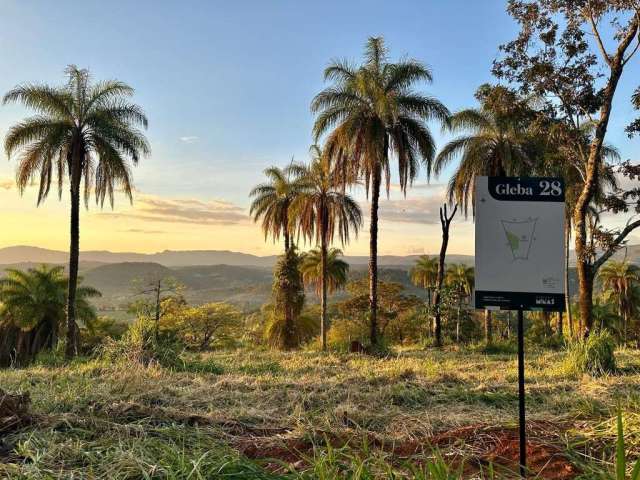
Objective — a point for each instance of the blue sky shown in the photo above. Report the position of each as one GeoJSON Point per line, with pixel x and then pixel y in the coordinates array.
{"type": "Point", "coordinates": [227, 85]}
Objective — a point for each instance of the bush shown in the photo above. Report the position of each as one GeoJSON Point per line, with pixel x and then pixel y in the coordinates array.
{"type": "Point", "coordinates": [343, 331]}
{"type": "Point", "coordinates": [141, 344]}
{"type": "Point", "coordinates": [594, 356]}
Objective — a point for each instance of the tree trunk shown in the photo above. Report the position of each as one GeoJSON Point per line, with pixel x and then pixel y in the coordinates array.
{"type": "Point", "coordinates": [567, 289]}
{"type": "Point", "coordinates": [71, 349]}
{"type": "Point", "coordinates": [373, 255]}
{"type": "Point", "coordinates": [323, 300]}
{"type": "Point", "coordinates": [559, 328]}
{"type": "Point", "coordinates": [585, 298]}
{"type": "Point", "coordinates": [592, 168]}
{"type": "Point", "coordinates": [488, 326]}
{"type": "Point", "coordinates": [440, 277]}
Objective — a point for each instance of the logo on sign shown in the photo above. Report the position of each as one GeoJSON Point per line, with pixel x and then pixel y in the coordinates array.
{"type": "Point", "coordinates": [545, 301]}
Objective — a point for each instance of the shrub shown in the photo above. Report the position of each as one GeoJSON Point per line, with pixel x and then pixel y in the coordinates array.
{"type": "Point", "coordinates": [141, 344]}
{"type": "Point", "coordinates": [343, 331]}
{"type": "Point", "coordinates": [594, 355]}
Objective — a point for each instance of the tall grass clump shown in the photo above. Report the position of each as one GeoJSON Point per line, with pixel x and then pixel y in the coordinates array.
{"type": "Point", "coordinates": [142, 344]}
{"type": "Point", "coordinates": [593, 355]}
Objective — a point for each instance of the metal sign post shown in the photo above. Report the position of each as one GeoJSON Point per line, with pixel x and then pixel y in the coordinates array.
{"type": "Point", "coordinates": [521, 404]}
{"type": "Point", "coordinates": [520, 256]}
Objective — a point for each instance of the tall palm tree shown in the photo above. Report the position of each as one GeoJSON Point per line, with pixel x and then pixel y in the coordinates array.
{"type": "Point", "coordinates": [34, 302]}
{"type": "Point", "coordinates": [272, 202]}
{"type": "Point", "coordinates": [86, 131]}
{"type": "Point", "coordinates": [322, 211]}
{"type": "Point", "coordinates": [494, 141]}
{"type": "Point", "coordinates": [424, 274]}
{"type": "Point", "coordinates": [460, 278]}
{"type": "Point", "coordinates": [618, 281]}
{"type": "Point", "coordinates": [371, 113]}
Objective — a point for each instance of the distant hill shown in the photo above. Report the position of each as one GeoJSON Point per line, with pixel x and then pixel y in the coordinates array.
{"type": "Point", "coordinates": [169, 258]}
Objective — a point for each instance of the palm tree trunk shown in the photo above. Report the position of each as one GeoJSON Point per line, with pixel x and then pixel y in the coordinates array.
{"type": "Point", "coordinates": [287, 240]}
{"type": "Point", "coordinates": [71, 349]}
{"type": "Point", "coordinates": [373, 255]}
{"type": "Point", "coordinates": [488, 326]}
{"type": "Point", "coordinates": [323, 300]}
{"type": "Point", "coordinates": [157, 316]}
{"type": "Point", "coordinates": [458, 320]}
{"type": "Point", "coordinates": [567, 238]}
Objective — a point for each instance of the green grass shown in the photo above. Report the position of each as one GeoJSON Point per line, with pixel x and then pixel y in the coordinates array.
{"type": "Point", "coordinates": [340, 415]}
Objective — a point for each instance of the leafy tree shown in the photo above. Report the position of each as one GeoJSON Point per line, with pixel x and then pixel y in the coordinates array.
{"type": "Point", "coordinates": [562, 149]}
{"type": "Point", "coordinates": [496, 141]}
{"type": "Point", "coordinates": [395, 307]}
{"type": "Point", "coordinates": [156, 296]}
{"type": "Point", "coordinates": [370, 114]}
{"type": "Point", "coordinates": [323, 210]}
{"type": "Point", "coordinates": [33, 309]}
{"type": "Point", "coordinates": [554, 58]}
{"type": "Point", "coordinates": [460, 279]}
{"type": "Point", "coordinates": [618, 282]}
{"type": "Point", "coordinates": [209, 324]}
{"type": "Point", "coordinates": [86, 131]}
{"type": "Point", "coordinates": [272, 203]}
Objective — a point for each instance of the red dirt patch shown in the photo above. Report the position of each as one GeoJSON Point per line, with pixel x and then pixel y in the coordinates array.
{"type": "Point", "coordinates": [500, 447]}
{"type": "Point", "coordinates": [478, 444]}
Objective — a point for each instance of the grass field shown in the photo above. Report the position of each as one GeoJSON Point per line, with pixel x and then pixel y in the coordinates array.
{"type": "Point", "coordinates": [306, 415]}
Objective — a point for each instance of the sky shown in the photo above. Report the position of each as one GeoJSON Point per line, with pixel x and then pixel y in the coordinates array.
{"type": "Point", "coordinates": [226, 87]}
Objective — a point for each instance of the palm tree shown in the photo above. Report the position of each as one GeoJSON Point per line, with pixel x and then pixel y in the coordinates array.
{"type": "Point", "coordinates": [86, 131]}
{"type": "Point", "coordinates": [33, 306]}
{"type": "Point", "coordinates": [370, 114]}
{"type": "Point", "coordinates": [322, 210]}
{"type": "Point", "coordinates": [618, 281]}
{"type": "Point", "coordinates": [460, 278]}
{"type": "Point", "coordinates": [424, 274]}
{"type": "Point", "coordinates": [337, 274]}
{"type": "Point", "coordinates": [327, 273]}
{"type": "Point", "coordinates": [495, 141]}
{"type": "Point", "coordinates": [272, 201]}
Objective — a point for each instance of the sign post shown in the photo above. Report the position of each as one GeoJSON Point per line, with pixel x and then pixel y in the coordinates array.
{"type": "Point", "coordinates": [519, 256]}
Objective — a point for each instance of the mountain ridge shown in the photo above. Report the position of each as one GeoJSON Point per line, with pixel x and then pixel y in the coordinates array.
{"type": "Point", "coordinates": [179, 258]}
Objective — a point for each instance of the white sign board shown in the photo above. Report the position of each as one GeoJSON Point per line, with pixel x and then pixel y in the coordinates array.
{"type": "Point", "coordinates": [519, 255]}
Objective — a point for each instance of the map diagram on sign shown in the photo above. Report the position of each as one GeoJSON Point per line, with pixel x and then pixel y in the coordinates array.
{"type": "Point", "coordinates": [520, 236]}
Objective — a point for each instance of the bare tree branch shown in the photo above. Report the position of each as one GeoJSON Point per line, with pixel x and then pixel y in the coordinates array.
{"type": "Point", "coordinates": [616, 243]}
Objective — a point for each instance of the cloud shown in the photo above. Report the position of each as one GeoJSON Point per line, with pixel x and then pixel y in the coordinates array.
{"type": "Point", "coordinates": [415, 250]}
{"type": "Point", "coordinates": [395, 187]}
{"type": "Point", "coordinates": [192, 211]}
{"type": "Point", "coordinates": [6, 183]}
{"type": "Point", "coordinates": [189, 139]}
{"type": "Point", "coordinates": [418, 210]}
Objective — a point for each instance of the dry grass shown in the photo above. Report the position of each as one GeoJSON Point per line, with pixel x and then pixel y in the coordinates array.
{"type": "Point", "coordinates": [120, 421]}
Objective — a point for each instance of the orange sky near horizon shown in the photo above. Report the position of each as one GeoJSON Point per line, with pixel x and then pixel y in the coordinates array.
{"type": "Point", "coordinates": [156, 223]}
